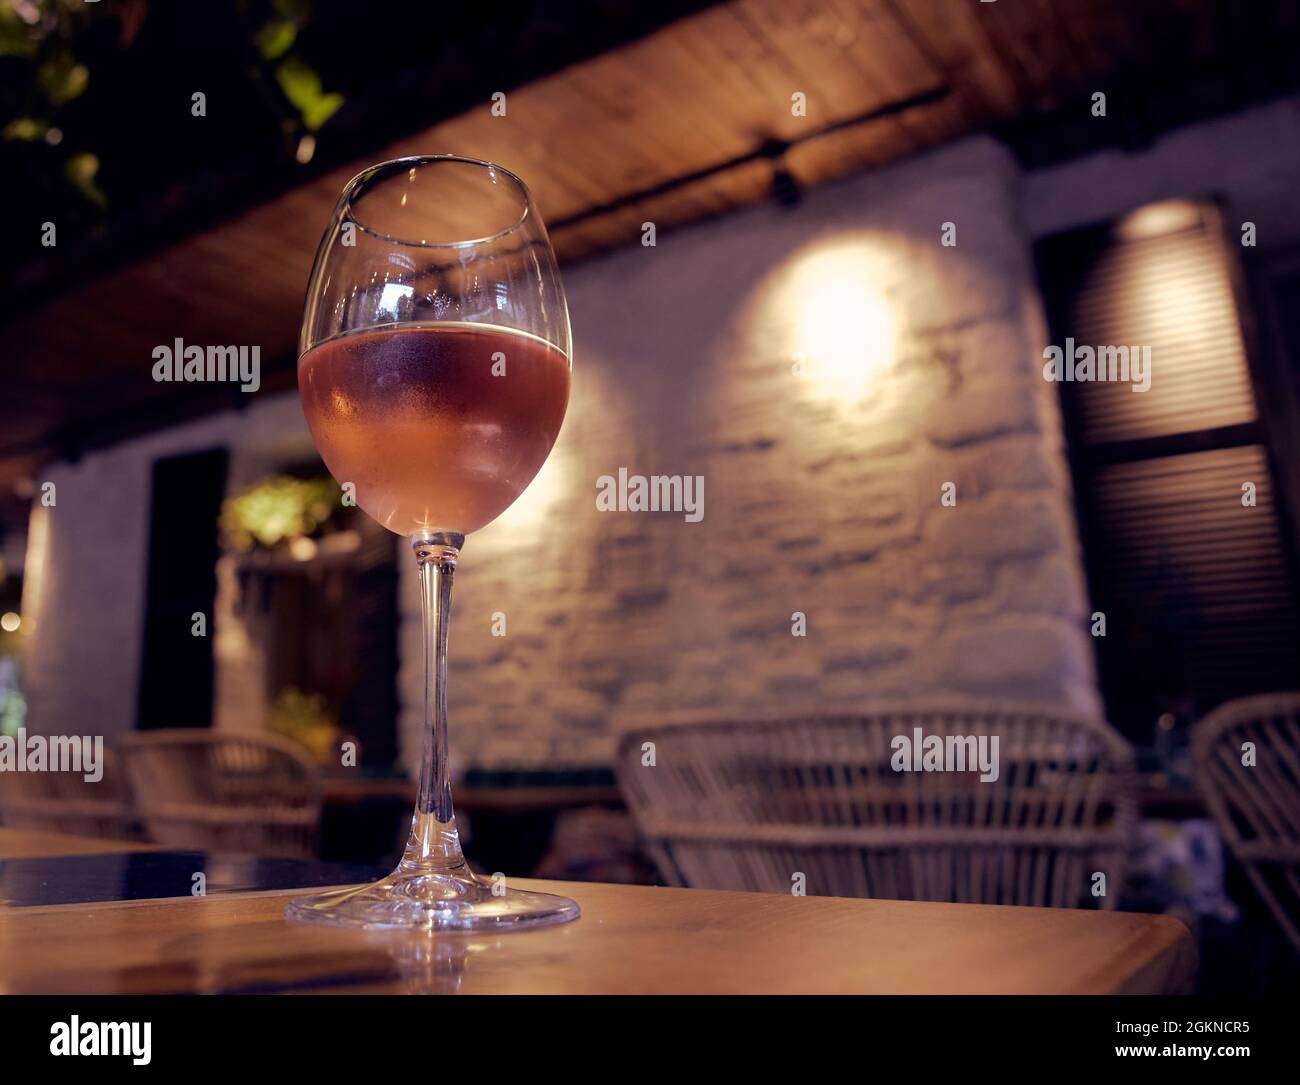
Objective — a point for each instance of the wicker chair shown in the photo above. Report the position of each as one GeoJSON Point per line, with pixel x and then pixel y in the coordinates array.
{"type": "Point", "coordinates": [748, 805]}
{"type": "Point", "coordinates": [211, 791]}
{"type": "Point", "coordinates": [65, 802]}
{"type": "Point", "coordinates": [1257, 807]}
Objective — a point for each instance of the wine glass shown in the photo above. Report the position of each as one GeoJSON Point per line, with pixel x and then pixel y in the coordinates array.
{"type": "Point", "coordinates": [433, 370]}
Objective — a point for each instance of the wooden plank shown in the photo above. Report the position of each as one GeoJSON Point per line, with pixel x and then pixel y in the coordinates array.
{"type": "Point", "coordinates": [841, 152]}
{"type": "Point", "coordinates": [1025, 48]}
{"type": "Point", "coordinates": [849, 42]}
{"type": "Point", "coordinates": [630, 939]}
{"type": "Point", "coordinates": [952, 36]}
{"type": "Point", "coordinates": [881, 46]}
{"type": "Point", "coordinates": [663, 80]}
{"type": "Point", "coordinates": [745, 84]}
{"type": "Point", "coordinates": [804, 44]}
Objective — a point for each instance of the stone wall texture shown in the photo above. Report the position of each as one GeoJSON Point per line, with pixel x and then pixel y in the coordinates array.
{"type": "Point", "coordinates": [827, 370]}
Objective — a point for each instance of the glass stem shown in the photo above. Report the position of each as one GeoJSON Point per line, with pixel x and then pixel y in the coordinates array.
{"type": "Point", "coordinates": [434, 844]}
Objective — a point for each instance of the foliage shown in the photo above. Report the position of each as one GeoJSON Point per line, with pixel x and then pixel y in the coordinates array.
{"type": "Point", "coordinates": [13, 706]}
{"type": "Point", "coordinates": [302, 87]}
{"type": "Point", "coordinates": [297, 80]}
{"type": "Point", "coordinates": [304, 718]}
{"type": "Point", "coordinates": [49, 47]}
{"type": "Point", "coordinates": [277, 510]}
{"type": "Point", "coordinates": [38, 38]}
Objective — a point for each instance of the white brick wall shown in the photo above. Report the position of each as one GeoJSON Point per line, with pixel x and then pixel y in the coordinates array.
{"type": "Point", "coordinates": [683, 366]}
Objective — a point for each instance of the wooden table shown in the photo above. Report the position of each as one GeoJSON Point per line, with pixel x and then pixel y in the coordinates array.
{"type": "Point", "coordinates": [630, 939]}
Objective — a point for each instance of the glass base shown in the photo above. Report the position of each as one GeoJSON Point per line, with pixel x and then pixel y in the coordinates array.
{"type": "Point", "coordinates": [433, 902]}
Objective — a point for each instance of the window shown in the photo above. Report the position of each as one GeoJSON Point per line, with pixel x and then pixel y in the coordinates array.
{"type": "Point", "coordinates": [1183, 528]}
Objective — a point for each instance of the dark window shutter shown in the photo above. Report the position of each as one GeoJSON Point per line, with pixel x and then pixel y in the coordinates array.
{"type": "Point", "coordinates": [1198, 588]}
{"type": "Point", "coordinates": [177, 673]}
{"type": "Point", "coordinates": [1174, 294]}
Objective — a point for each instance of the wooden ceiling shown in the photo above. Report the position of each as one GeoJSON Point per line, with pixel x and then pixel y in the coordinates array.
{"type": "Point", "coordinates": [603, 145]}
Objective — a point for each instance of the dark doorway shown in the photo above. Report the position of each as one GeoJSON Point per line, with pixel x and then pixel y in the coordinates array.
{"type": "Point", "coordinates": [176, 675]}
{"type": "Point", "coordinates": [329, 628]}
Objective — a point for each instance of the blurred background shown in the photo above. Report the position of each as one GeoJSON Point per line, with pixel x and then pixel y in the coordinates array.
{"type": "Point", "coordinates": [814, 252]}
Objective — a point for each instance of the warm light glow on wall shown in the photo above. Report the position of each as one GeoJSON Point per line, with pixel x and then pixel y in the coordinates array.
{"type": "Point", "coordinates": [844, 329]}
{"type": "Point", "coordinates": [34, 566]}
{"type": "Point", "coordinates": [534, 504]}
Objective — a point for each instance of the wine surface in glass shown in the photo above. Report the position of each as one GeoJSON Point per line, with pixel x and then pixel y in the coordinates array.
{"type": "Point", "coordinates": [440, 425]}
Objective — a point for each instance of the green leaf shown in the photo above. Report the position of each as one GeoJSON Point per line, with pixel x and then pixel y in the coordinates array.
{"type": "Point", "coordinates": [17, 39]}
{"type": "Point", "coordinates": [28, 129]}
{"type": "Point", "coordinates": [80, 170]}
{"type": "Point", "coordinates": [276, 38]}
{"type": "Point", "coordinates": [62, 78]}
{"type": "Point", "coordinates": [301, 85]}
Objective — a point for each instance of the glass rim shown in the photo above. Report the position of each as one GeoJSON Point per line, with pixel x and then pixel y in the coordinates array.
{"type": "Point", "coordinates": [355, 186]}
